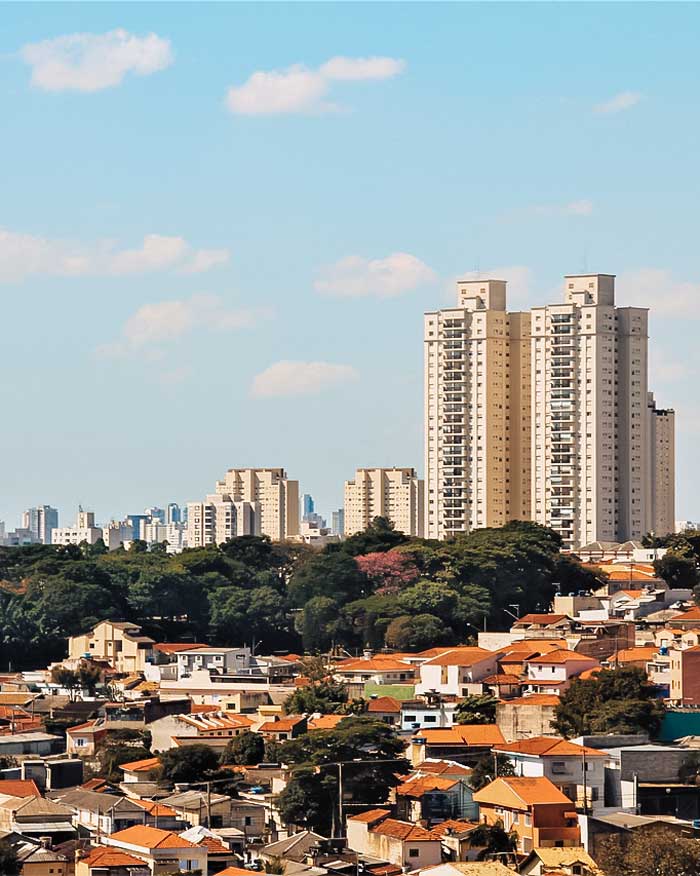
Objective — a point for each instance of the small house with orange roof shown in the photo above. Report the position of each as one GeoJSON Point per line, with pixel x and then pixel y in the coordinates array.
{"type": "Point", "coordinates": [552, 672]}
{"type": "Point", "coordinates": [401, 843]}
{"type": "Point", "coordinates": [162, 850]}
{"type": "Point", "coordinates": [281, 728]}
{"type": "Point", "coordinates": [511, 659]}
{"type": "Point", "coordinates": [432, 798]}
{"type": "Point", "coordinates": [213, 728]}
{"type": "Point", "coordinates": [533, 807]}
{"type": "Point", "coordinates": [140, 770]}
{"type": "Point", "coordinates": [84, 739]}
{"type": "Point", "coordinates": [323, 722]}
{"type": "Point", "coordinates": [457, 672]}
{"type": "Point", "coordinates": [386, 709]}
{"type": "Point", "coordinates": [464, 743]}
{"type": "Point", "coordinates": [577, 770]}
{"type": "Point", "coordinates": [105, 861]}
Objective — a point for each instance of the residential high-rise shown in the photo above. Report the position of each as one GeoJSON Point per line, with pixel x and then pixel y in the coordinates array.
{"type": "Point", "coordinates": [542, 415]}
{"type": "Point", "coordinates": [662, 427]}
{"type": "Point", "coordinates": [394, 493]}
{"type": "Point", "coordinates": [219, 518]}
{"type": "Point", "coordinates": [477, 404]}
{"type": "Point", "coordinates": [83, 530]}
{"type": "Point", "coordinates": [174, 513]}
{"type": "Point", "coordinates": [41, 521]}
{"type": "Point", "coordinates": [276, 498]}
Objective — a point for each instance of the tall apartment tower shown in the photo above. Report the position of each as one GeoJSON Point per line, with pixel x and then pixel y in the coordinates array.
{"type": "Point", "coordinates": [394, 493]}
{"type": "Point", "coordinates": [662, 440]}
{"type": "Point", "coordinates": [41, 521]}
{"type": "Point", "coordinates": [477, 412]}
{"type": "Point", "coordinates": [590, 435]}
{"type": "Point", "coordinates": [219, 518]}
{"type": "Point", "coordinates": [276, 497]}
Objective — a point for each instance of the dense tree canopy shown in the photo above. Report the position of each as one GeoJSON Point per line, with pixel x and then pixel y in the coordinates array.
{"type": "Point", "coordinates": [376, 588]}
{"type": "Point", "coordinates": [656, 852]}
{"type": "Point", "coordinates": [614, 701]}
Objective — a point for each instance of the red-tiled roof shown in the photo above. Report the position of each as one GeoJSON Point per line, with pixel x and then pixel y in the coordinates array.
{"type": "Point", "coordinates": [370, 816]}
{"type": "Point", "coordinates": [562, 656]}
{"type": "Point", "coordinates": [141, 766]}
{"type": "Point", "coordinates": [102, 857]}
{"type": "Point", "coordinates": [460, 657]}
{"type": "Point", "coordinates": [402, 830]}
{"type": "Point", "coordinates": [420, 785]}
{"type": "Point", "coordinates": [519, 792]}
{"type": "Point", "coordinates": [176, 647]}
{"type": "Point", "coordinates": [535, 700]}
{"type": "Point", "coordinates": [19, 788]}
{"type": "Point", "coordinates": [384, 704]}
{"type": "Point", "coordinates": [151, 838]}
{"type": "Point", "coordinates": [549, 746]}
{"type": "Point", "coordinates": [462, 734]}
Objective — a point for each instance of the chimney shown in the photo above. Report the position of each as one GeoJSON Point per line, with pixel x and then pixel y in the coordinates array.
{"type": "Point", "coordinates": [367, 654]}
{"type": "Point", "coordinates": [45, 842]}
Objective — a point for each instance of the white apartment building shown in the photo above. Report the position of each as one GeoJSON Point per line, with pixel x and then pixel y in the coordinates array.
{"type": "Point", "coordinates": [477, 411]}
{"type": "Point", "coordinates": [219, 518]}
{"type": "Point", "coordinates": [84, 530]}
{"type": "Point", "coordinates": [175, 534]}
{"type": "Point", "coordinates": [662, 443]}
{"type": "Point", "coordinates": [544, 416]}
{"type": "Point", "coordinates": [275, 496]}
{"type": "Point", "coordinates": [394, 493]}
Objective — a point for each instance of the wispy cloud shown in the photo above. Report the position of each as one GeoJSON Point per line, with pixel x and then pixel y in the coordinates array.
{"type": "Point", "coordinates": [93, 61]}
{"type": "Point", "coordinates": [154, 326]}
{"type": "Point", "coordinates": [26, 255]}
{"type": "Point", "coordinates": [357, 277]}
{"type": "Point", "coordinates": [300, 89]}
{"type": "Point", "coordinates": [289, 378]}
{"type": "Point", "coordinates": [659, 290]}
{"type": "Point", "coordinates": [620, 102]}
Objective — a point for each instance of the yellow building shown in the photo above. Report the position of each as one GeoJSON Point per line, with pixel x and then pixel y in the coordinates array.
{"type": "Point", "coordinates": [394, 493]}
{"type": "Point", "coordinates": [118, 642]}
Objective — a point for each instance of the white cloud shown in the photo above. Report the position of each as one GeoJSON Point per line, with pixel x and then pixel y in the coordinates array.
{"type": "Point", "coordinates": [356, 277]}
{"type": "Point", "coordinates": [26, 255]}
{"type": "Point", "coordinates": [154, 325]}
{"type": "Point", "coordinates": [355, 69]}
{"type": "Point", "coordinates": [93, 61]}
{"type": "Point", "coordinates": [619, 102]}
{"type": "Point", "coordinates": [518, 278]}
{"type": "Point", "coordinates": [300, 89]}
{"type": "Point", "coordinates": [659, 290]}
{"type": "Point", "coordinates": [287, 378]}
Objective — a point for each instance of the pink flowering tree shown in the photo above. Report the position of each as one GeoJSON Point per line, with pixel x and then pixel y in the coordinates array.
{"type": "Point", "coordinates": [389, 571]}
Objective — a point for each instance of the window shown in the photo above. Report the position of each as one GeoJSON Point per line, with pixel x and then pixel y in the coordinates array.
{"type": "Point", "coordinates": [413, 853]}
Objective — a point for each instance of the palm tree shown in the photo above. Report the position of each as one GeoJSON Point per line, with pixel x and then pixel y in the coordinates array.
{"type": "Point", "coordinates": [493, 840]}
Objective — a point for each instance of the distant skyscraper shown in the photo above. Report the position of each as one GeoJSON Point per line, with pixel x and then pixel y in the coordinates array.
{"type": "Point", "coordinates": [137, 521]}
{"type": "Point", "coordinates": [155, 515]}
{"type": "Point", "coordinates": [307, 506]}
{"type": "Point", "coordinates": [174, 513]}
{"type": "Point", "coordinates": [41, 521]}
{"type": "Point", "coordinates": [338, 522]}
{"type": "Point", "coordinates": [276, 498]}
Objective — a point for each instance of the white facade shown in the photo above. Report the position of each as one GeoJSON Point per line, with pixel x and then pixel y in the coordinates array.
{"type": "Point", "coordinates": [394, 493]}
{"type": "Point", "coordinates": [219, 518]}
{"type": "Point", "coordinates": [84, 530]}
{"type": "Point", "coordinates": [454, 675]}
{"type": "Point", "coordinates": [175, 534]}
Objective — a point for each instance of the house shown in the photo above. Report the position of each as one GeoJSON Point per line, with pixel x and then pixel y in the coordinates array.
{"type": "Point", "coordinates": [224, 661]}
{"type": "Point", "coordinates": [140, 770]}
{"type": "Point", "coordinates": [430, 799]}
{"type": "Point", "coordinates": [464, 743]}
{"type": "Point", "coordinates": [571, 861]}
{"type": "Point", "coordinates": [578, 771]}
{"type": "Point", "coordinates": [279, 729]}
{"type": "Point", "coordinates": [468, 868]}
{"type": "Point", "coordinates": [533, 807]}
{"type": "Point", "coordinates": [294, 848]}
{"type": "Point", "coordinates": [399, 842]}
{"type": "Point", "coordinates": [552, 673]}
{"type": "Point", "coordinates": [456, 839]}
{"type": "Point", "coordinates": [380, 669]}
{"type": "Point", "coordinates": [163, 850]}
{"type": "Point", "coordinates": [685, 677]}
{"type": "Point", "coordinates": [84, 739]}
{"type": "Point", "coordinates": [36, 817]}
{"type": "Point", "coordinates": [323, 722]}
{"type": "Point", "coordinates": [226, 812]}
{"type": "Point", "coordinates": [542, 626]}
{"type": "Point", "coordinates": [213, 728]}
{"type": "Point", "coordinates": [105, 861]}
{"type": "Point", "coordinates": [428, 712]}
{"type": "Point", "coordinates": [387, 709]}
{"type": "Point", "coordinates": [118, 642]}
{"type": "Point", "coordinates": [457, 672]}
{"type": "Point", "coordinates": [33, 742]}
{"type": "Point", "coordinates": [523, 717]}
{"type": "Point", "coordinates": [219, 852]}
{"type": "Point", "coordinates": [99, 813]}
{"type": "Point", "coordinates": [37, 857]}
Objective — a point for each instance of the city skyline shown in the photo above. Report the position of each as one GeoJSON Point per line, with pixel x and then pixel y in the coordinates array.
{"type": "Point", "coordinates": [157, 281]}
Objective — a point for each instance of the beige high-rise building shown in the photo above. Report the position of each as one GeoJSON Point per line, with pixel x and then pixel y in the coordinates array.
{"type": "Point", "coordinates": [477, 401]}
{"type": "Point", "coordinates": [219, 518]}
{"type": "Point", "coordinates": [662, 440]}
{"type": "Point", "coordinates": [394, 493]}
{"type": "Point", "coordinates": [542, 416]}
{"type": "Point", "coordinates": [276, 497]}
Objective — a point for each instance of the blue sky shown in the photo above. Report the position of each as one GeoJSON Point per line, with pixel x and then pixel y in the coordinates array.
{"type": "Point", "coordinates": [220, 224]}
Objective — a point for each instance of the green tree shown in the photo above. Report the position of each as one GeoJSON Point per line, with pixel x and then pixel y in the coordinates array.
{"type": "Point", "coordinates": [429, 598]}
{"type": "Point", "coordinates": [309, 800]}
{"type": "Point", "coordinates": [191, 763]}
{"type": "Point", "coordinates": [476, 709]}
{"type": "Point", "coordinates": [318, 623]}
{"type": "Point", "coordinates": [329, 574]}
{"type": "Point", "coordinates": [614, 701]}
{"type": "Point", "coordinates": [485, 769]}
{"type": "Point", "coordinates": [381, 535]}
{"type": "Point", "coordinates": [116, 752]}
{"type": "Point", "coordinates": [327, 697]}
{"type": "Point", "coordinates": [678, 570]}
{"type": "Point", "coordinates": [9, 864]}
{"type": "Point", "coordinates": [494, 841]}
{"type": "Point", "coordinates": [415, 633]}
{"type": "Point", "coordinates": [247, 748]}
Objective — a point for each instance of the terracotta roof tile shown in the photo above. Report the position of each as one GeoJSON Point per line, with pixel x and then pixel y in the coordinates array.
{"type": "Point", "coordinates": [549, 746]}
{"type": "Point", "coordinates": [19, 788]}
{"type": "Point", "coordinates": [384, 704]}
{"type": "Point", "coordinates": [403, 830]}
{"type": "Point", "coordinates": [562, 655]}
{"type": "Point", "coordinates": [420, 785]}
{"type": "Point", "coordinates": [370, 816]}
{"type": "Point", "coordinates": [151, 838]}
{"type": "Point", "coordinates": [462, 734]}
{"type": "Point", "coordinates": [460, 657]}
{"type": "Point", "coordinates": [102, 856]}
{"type": "Point", "coordinates": [520, 792]}
{"type": "Point", "coordinates": [141, 766]}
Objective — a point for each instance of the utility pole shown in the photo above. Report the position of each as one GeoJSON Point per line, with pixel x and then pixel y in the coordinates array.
{"type": "Point", "coordinates": [340, 799]}
{"type": "Point", "coordinates": [209, 805]}
{"type": "Point", "coordinates": [585, 789]}
{"type": "Point", "coordinates": [495, 765]}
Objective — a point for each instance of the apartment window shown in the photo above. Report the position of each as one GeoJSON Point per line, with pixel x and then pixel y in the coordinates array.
{"type": "Point", "coordinates": [413, 853]}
